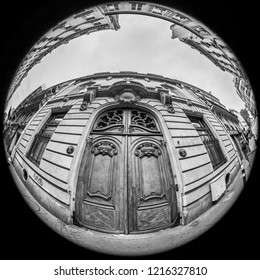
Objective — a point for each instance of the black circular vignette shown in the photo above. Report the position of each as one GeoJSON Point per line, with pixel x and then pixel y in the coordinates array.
{"type": "Point", "coordinates": [235, 236]}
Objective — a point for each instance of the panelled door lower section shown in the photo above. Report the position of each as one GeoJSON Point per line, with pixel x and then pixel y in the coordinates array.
{"type": "Point", "coordinates": [151, 189]}
{"type": "Point", "coordinates": [100, 189]}
{"type": "Point", "coordinates": [125, 182]}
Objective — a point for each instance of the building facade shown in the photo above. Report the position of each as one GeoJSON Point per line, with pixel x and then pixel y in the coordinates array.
{"type": "Point", "coordinates": [127, 153]}
{"type": "Point", "coordinates": [83, 23]}
{"type": "Point", "coordinates": [106, 17]}
{"type": "Point", "coordinates": [222, 56]}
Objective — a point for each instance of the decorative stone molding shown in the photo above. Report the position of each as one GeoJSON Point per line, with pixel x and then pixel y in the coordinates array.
{"type": "Point", "coordinates": [83, 106]}
{"type": "Point", "coordinates": [128, 96]}
{"type": "Point", "coordinates": [70, 150]}
{"type": "Point", "coordinates": [182, 153]}
{"type": "Point", "coordinates": [65, 98]}
{"type": "Point", "coordinates": [170, 108]}
{"type": "Point", "coordinates": [104, 148]}
{"type": "Point", "coordinates": [147, 149]}
{"type": "Point", "coordinates": [189, 103]}
{"type": "Point", "coordinates": [166, 100]}
{"type": "Point", "coordinates": [87, 98]}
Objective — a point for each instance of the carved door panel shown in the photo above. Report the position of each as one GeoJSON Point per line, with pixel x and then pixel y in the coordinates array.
{"type": "Point", "coordinates": [152, 197]}
{"type": "Point", "coordinates": [125, 182]}
{"type": "Point", "coordinates": [100, 191]}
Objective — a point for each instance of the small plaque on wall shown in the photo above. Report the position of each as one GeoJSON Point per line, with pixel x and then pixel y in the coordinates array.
{"type": "Point", "coordinates": [218, 187]}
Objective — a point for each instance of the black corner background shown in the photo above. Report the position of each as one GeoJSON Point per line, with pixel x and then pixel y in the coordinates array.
{"type": "Point", "coordinates": [24, 236]}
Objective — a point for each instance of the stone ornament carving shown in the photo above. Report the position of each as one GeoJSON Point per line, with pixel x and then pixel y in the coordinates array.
{"type": "Point", "coordinates": [209, 104]}
{"type": "Point", "coordinates": [189, 102]}
{"type": "Point", "coordinates": [87, 98]}
{"type": "Point", "coordinates": [83, 106]}
{"type": "Point", "coordinates": [147, 149]}
{"type": "Point", "coordinates": [170, 109]}
{"type": "Point", "coordinates": [104, 148]}
{"type": "Point", "coordinates": [70, 150]}
{"type": "Point", "coordinates": [128, 96]}
{"type": "Point", "coordinates": [166, 100]}
{"type": "Point", "coordinates": [182, 153]}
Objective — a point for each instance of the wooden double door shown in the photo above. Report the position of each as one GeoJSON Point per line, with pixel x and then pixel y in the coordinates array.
{"type": "Point", "coordinates": [125, 182]}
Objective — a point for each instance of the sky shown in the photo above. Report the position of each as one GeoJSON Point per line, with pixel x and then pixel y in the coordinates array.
{"type": "Point", "coordinates": [142, 44]}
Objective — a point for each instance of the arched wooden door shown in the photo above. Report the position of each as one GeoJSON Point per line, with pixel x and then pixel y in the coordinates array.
{"type": "Point", "coordinates": [125, 182]}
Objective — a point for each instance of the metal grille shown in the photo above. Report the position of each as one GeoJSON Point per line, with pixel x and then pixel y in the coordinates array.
{"type": "Point", "coordinates": [127, 120]}
{"type": "Point", "coordinates": [37, 148]}
{"type": "Point", "coordinates": [143, 119]}
{"type": "Point", "coordinates": [216, 155]}
{"type": "Point", "coordinates": [110, 118]}
{"type": "Point", "coordinates": [212, 146]}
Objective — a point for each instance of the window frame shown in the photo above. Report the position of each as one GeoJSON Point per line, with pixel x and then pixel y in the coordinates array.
{"type": "Point", "coordinates": [213, 145]}
{"type": "Point", "coordinates": [127, 126]}
{"type": "Point", "coordinates": [39, 139]}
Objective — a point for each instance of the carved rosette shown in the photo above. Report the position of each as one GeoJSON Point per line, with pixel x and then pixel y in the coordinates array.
{"type": "Point", "coordinates": [104, 148]}
{"type": "Point", "coordinates": [83, 106]}
{"type": "Point", "coordinates": [170, 108]}
{"type": "Point", "coordinates": [148, 150]}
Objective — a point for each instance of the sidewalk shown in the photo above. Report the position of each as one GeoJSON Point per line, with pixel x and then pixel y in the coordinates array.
{"type": "Point", "coordinates": [138, 244]}
{"type": "Point", "coordinates": [248, 165]}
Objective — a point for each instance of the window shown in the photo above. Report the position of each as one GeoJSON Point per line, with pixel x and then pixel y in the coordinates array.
{"type": "Point", "coordinates": [89, 17]}
{"type": "Point", "coordinates": [43, 137]}
{"type": "Point", "coordinates": [21, 118]}
{"type": "Point", "coordinates": [213, 148]}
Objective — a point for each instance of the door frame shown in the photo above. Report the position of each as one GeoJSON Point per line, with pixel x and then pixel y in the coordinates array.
{"type": "Point", "coordinates": [171, 150]}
